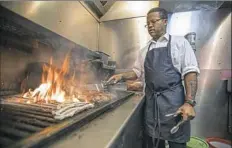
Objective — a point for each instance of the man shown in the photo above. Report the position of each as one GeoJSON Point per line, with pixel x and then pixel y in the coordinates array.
{"type": "Point", "coordinates": [163, 63]}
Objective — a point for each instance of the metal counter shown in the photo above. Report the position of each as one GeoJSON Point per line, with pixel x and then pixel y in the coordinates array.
{"type": "Point", "coordinates": [101, 131]}
{"type": "Point", "coordinates": [123, 126]}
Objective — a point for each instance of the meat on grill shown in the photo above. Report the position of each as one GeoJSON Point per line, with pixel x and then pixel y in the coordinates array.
{"type": "Point", "coordinates": [84, 100]}
{"type": "Point", "coordinates": [94, 96]}
{"type": "Point", "coordinates": [70, 109]}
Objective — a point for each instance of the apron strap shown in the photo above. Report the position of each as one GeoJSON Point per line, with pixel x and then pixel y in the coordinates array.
{"type": "Point", "coordinates": [169, 45]}
{"type": "Point", "coordinates": [156, 117]}
{"type": "Point", "coordinates": [156, 114]}
{"type": "Point", "coordinates": [157, 93]}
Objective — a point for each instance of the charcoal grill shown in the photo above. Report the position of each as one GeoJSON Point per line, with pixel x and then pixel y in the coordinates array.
{"type": "Point", "coordinates": [32, 125]}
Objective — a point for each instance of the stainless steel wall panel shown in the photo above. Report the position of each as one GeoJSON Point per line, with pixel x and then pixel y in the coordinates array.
{"type": "Point", "coordinates": [190, 5]}
{"type": "Point", "coordinates": [68, 19]}
{"type": "Point", "coordinates": [213, 32]}
{"type": "Point", "coordinates": [122, 39]}
{"type": "Point", "coordinates": [212, 106]}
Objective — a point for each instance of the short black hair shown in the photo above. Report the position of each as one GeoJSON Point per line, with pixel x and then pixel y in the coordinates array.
{"type": "Point", "coordinates": [162, 12]}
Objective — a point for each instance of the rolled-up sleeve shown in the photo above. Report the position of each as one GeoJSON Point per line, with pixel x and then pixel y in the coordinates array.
{"type": "Point", "coordinates": [188, 60]}
{"type": "Point", "coordinates": [137, 68]}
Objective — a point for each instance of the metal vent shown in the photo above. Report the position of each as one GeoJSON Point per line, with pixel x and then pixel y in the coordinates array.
{"type": "Point", "coordinates": [103, 3]}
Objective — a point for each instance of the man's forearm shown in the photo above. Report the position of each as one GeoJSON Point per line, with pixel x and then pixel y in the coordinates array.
{"type": "Point", "coordinates": [129, 75]}
{"type": "Point", "coordinates": [190, 80]}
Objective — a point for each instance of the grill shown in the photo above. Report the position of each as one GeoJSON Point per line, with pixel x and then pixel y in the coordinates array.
{"type": "Point", "coordinates": [33, 125]}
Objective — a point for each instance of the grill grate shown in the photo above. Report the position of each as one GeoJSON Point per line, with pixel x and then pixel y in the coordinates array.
{"type": "Point", "coordinates": [21, 121]}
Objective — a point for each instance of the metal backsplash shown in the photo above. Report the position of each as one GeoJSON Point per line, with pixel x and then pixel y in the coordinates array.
{"type": "Point", "coordinates": [24, 42]}
{"type": "Point", "coordinates": [122, 39]}
{"type": "Point", "coordinates": [14, 62]}
{"type": "Point", "coordinates": [68, 19]}
{"type": "Point", "coordinates": [213, 35]}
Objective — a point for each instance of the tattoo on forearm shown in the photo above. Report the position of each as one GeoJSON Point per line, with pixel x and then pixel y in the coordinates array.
{"type": "Point", "coordinates": [193, 88]}
{"type": "Point", "coordinates": [191, 85]}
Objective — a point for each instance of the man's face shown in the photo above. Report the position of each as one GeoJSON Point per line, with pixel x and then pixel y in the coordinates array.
{"type": "Point", "coordinates": [155, 25]}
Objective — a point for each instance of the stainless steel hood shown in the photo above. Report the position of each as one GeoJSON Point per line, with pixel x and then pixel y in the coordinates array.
{"type": "Point", "coordinates": [190, 5]}
{"type": "Point", "coordinates": [106, 9]}
{"type": "Point", "coordinates": [134, 9]}
{"type": "Point", "coordinates": [99, 8]}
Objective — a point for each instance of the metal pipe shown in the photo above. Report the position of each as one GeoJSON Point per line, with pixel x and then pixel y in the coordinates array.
{"type": "Point", "coordinates": [5, 141]}
{"type": "Point", "coordinates": [98, 37]}
{"type": "Point", "coordinates": [22, 126]}
{"type": "Point", "coordinates": [31, 116]}
{"type": "Point", "coordinates": [13, 132]}
{"type": "Point", "coordinates": [41, 107]}
{"type": "Point", "coordinates": [24, 106]}
{"type": "Point", "coordinates": [27, 111]}
{"type": "Point", "coordinates": [25, 120]}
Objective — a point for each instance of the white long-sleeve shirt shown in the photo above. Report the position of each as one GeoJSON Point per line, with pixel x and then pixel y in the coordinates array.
{"type": "Point", "coordinates": [182, 54]}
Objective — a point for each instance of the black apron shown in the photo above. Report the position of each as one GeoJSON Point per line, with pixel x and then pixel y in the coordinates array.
{"type": "Point", "coordinates": [164, 94]}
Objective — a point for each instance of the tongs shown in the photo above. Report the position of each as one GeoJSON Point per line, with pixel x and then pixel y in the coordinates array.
{"type": "Point", "coordinates": [172, 114]}
{"type": "Point", "coordinates": [106, 84]}
{"type": "Point", "coordinates": [112, 85]}
{"type": "Point", "coordinates": [177, 126]}
{"type": "Point", "coordinates": [109, 83]}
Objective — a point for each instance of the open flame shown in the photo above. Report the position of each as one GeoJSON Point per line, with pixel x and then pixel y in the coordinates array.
{"type": "Point", "coordinates": [52, 84]}
{"type": "Point", "coordinates": [56, 86]}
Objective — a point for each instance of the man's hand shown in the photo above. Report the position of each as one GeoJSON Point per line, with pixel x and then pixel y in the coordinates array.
{"type": "Point", "coordinates": [115, 78]}
{"type": "Point", "coordinates": [187, 111]}
{"type": "Point", "coordinates": [131, 75]}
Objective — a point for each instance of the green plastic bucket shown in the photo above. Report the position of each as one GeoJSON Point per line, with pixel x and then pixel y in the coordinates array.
{"type": "Point", "coordinates": [196, 142]}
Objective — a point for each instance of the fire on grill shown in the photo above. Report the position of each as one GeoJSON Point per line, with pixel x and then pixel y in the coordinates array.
{"type": "Point", "coordinates": [56, 88]}
{"type": "Point", "coordinates": [54, 100]}
{"type": "Point", "coordinates": [56, 105]}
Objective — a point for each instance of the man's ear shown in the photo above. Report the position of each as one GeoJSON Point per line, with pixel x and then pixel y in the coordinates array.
{"type": "Point", "coordinates": [165, 22]}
